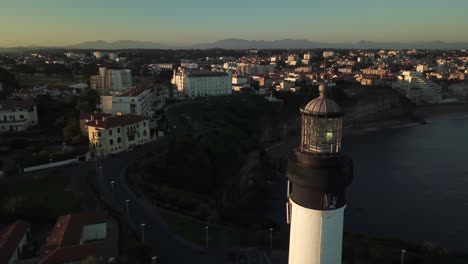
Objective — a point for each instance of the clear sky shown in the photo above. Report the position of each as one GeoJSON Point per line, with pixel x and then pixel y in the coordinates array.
{"type": "Point", "coordinates": [62, 22]}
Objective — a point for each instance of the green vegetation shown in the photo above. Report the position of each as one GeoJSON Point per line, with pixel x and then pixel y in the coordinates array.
{"type": "Point", "coordinates": [359, 248]}
{"type": "Point", "coordinates": [199, 173]}
{"type": "Point", "coordinates": [58, 123]}
{"type": "Point", "coordinates": [39, 199]}
{"type": "Point", "coordinates": [8, 82]}
{"type": "Point", "coordinates": [219, 236]}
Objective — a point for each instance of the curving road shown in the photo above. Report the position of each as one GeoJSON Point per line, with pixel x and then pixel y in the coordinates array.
{"type": "Point", "coordinates": [158, 238]}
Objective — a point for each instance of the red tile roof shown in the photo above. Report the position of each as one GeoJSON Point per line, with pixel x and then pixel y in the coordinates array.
{"type": "Point", "coordinates": [67, 229]}
{"type": "Point", "coordinates": [10, 237]}
{"type": "Point", "coordinates": [16, 104]}
{"type": "Point", "coordinates": [64, 241]}
{"type": "Point", "coordinates": [73, 253]}
{"type": "Point", "coordinates": [87, 116]}
{"type": "Point", "coordinates": [116, 121]}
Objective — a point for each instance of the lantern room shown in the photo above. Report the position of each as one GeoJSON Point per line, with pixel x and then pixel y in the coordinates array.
{"type": "Point", "coordinates": [322, 125]}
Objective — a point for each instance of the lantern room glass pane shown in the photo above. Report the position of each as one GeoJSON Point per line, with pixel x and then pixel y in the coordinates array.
{"type": "Point", "coordinates": [321, 134]}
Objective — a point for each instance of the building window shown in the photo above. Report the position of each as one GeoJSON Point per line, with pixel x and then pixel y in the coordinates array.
{"type": "Point", "coordinates": [110, 132]}
{"type": "Point", "coordinates": [119, 140]}
{"type": "Point", "coordinates": [111, 142]}
{"type": "Point", "coordinates": [22, 116]}
{"type": "Point", "coordinates": [144, 132]}
{"type": "Point", "coordinates": [118, 130]}
{"type": "Point", "coordinates": [99, 134]}
{"type": "Point", "coordinates": [131, 138]}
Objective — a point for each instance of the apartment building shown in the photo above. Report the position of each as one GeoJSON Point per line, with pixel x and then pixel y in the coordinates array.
{"type": "Point", "coordinates": [111, 135]}
{"type": "Point", "coordinates": [202, 83]}
{"type": "Point", "coordinates": [138, 101]}
{"type": "Point", "coordinates": [16, 115]}
{"type": "Point", "coordinates": [110, 80]}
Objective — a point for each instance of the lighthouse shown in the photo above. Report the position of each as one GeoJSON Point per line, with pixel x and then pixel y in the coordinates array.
{"type": "Point", "coordinates": [318, 175]}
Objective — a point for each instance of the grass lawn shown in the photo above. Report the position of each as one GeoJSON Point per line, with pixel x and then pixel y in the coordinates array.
{"type": "Point", "coordinates": [39, 199]}
{"type": "Point", "coordinates": [219, 236]}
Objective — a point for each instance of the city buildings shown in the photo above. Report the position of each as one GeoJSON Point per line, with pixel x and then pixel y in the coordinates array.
{"type": "Point", "coordinates": [202, 83]}
{"type": "Point", "coordinates": [114, 134]}
{"type": "Point", "coordinates": [110, 80]}
{"type": "Point", "coordinates": [418, 89]}
{"type": "Point", "coordinates": [422, 68]}
{"type": "Point", "coordinates": [13, 239]}
{"type": "Point", "coordinates": [76, 237]}
{"type": "Point", "coordinates": [137, 101]}
{"type": "Point", "coordinates": [328, 54]}
{"type": "Point", "coordinates": [16, 115]}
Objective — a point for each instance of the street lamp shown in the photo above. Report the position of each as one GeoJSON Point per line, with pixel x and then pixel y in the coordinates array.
{"type": "Point", "coordinates": [271, 238]}
{"type": "Point", "coordinates": [206, 236]}
{"type": "Point", "coordinates": [403, 256]}
{"type": "Point", "coordinates": [142, 233]}
{"type": "Point", "coordinates": [153, 259]}
{"type": "Point", "coordinates": [112, 186]}
{"type": "Point", "coordinates": [128, 211]}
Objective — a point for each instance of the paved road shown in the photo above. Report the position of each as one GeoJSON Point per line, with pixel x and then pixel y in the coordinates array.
{"type": "Point", "coordinates": [160, 241]}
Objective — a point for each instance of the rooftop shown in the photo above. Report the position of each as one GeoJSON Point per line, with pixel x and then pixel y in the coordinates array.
{"type": "Point", "coordinates": [16, 104]}
{"type": "Point", "coordinates": [10, 237]}
{"type": "Point", "coordinates": [64, 242]}
{"type": "Point", "coordinates": [116, 121]}
{"type": "Point", "coordinates": [133, 92]}
{"type": "Point", "coordinates": [205, 74]}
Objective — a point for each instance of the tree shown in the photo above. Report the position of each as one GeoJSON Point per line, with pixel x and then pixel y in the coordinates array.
{"type": "Point", "coordinates": [89, 69]}
{"type": "Point", "coordinates": [8, 83]}
{"type": "Point", "coordinates": [71, 130]}
{"type": "Point", "coordinates": [88, 100]}
{"type": "Point", "coordinates": [281, 64]}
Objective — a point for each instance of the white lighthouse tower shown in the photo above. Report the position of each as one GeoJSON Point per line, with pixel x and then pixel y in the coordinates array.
{"type": "Point", "coordinates": [318, 174]}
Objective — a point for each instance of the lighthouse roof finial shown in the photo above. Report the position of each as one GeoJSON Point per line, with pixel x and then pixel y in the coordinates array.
{"type": "Point", "coordinates": [322, 105]}
{"type": "Point", "coordinates": [322, 89]}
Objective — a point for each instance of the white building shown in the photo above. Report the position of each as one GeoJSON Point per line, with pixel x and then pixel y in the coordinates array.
{"type": "Point", "coordinates": [99, 54]}
{"type": "Point", "coordinates": [110, 135]}
{"type": "Point", "coordinates": [17, 115]}
{"type": "Point", "coordinates": [113, 56]}
{"type": "Point", "coordinates": [188, 64]}
{"type": "Point", "coordinates": [118, 80]}
{"type": "Point", "coordinates": [136, 101]}
{"type": "Point", "coordinates": [422, 68]}
{"type": "Point", "coordinates": [327, 54]}
{"type": "Point", "coordinates": [111, 80]}
{"type": "Point", "coordinates": [202, 83]}
{"type": "Point", "coordinates": [418, 89]}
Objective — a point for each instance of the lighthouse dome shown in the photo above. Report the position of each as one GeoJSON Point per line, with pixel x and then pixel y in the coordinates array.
{"type": "Point", "coordinates": [322, 105]}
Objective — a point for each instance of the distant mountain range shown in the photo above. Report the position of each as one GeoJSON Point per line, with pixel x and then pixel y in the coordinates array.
{"type": "Point", "coordinates": [119, 44]}
{"type": "Point", "coordinates": [262, 44]}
